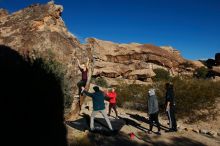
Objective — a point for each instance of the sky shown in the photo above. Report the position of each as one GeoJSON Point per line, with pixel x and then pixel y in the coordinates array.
{"type": "Point", "coordinates": [190, 26]}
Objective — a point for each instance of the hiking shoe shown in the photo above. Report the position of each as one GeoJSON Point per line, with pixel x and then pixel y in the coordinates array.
{"type": "Point", "coordinates": [98, 128]}
{"type": "Point", "coordinates": [92, 130]}
{"type": "Point", "coordinates": [174, 129]}
{"type": "Point", "coordinates": [113, 132]}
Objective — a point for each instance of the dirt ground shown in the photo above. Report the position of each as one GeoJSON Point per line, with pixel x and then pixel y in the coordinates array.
{"type": "Point", "coordinates": [136, 122]}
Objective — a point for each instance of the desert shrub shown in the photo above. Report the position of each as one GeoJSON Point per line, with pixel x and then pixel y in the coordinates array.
{"type": "Point", "coordinates": [132, 96]}
{"type": "Point", "coordinates": [210, 63]}
{"type": "Point", "coordinates": [100, 81]}
{"type": "Point", "coordinates": [201, 72]}
{"type": "Point", "coordinates": [161, 75]}
{"type": "Point", "coordinates": [47, 61]}
{"type": "Point", "coordinates": [52, 66]}
{"type": "Point", "coordinates": [196, 95]}
{"type": "Point", "coordinates": [193, 97]}
{"type": "Point", "coordinates": [186, 64]}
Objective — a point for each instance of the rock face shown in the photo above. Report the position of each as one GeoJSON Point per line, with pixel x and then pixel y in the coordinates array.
{"type": "Point", "coordinates": [217, 58]}
{"type": "Point", "coordinates": [214, 65]}
{"type": "Point", "coordinates": [3, 13]}
{"type": "Point", "coordinates": [137, 61]}
{"type": "Point", "coordinates": [38, 31]}
{"type": "Point", "coordinates": [216, 70]}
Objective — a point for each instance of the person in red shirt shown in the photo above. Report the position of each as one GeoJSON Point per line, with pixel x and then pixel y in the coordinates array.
{"type": "Point", "coordinates": [112, 102]}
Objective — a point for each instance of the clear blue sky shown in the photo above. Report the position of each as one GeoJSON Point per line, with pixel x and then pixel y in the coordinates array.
{"type": "Point", "coordinates": [191, 26]}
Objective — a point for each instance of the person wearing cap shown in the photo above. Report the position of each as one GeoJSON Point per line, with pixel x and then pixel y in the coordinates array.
{"type": "Point", "coordinates": [98, 106]}
{"type": "Point", "coordinates": [153, 111]}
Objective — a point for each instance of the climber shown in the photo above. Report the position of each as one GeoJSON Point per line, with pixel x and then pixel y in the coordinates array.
{"type": "Point", "coordinates": [84, 69]}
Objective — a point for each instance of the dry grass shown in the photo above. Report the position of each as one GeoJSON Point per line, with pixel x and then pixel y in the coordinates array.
{"type": "Point", "coordinates": [195, 98]}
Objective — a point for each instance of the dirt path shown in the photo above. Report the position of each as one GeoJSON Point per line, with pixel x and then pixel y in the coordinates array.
{"type": "Point", "coordinates": [131, 122]}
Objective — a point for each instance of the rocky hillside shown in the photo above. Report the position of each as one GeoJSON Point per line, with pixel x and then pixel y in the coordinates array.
{"type": "Point", "coordinates": [137, 61]}
{"type": "Point", "coordinates": [38, 31]}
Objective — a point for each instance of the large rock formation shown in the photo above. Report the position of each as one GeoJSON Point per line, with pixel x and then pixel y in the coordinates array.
{"type": "Point", "coordinates": [216, 66]}
{"type": "Point", "coordinates": [137, 61]}
{"type": "Point", "coordinates": [38, 31]}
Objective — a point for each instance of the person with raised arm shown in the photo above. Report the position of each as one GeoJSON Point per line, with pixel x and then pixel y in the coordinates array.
{"type": "Point", "coordinates": [84, 70]}
{"type": "Point", "coordinates": [98, 98]}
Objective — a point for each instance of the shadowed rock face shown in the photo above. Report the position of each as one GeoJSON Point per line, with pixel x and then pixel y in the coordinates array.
{"type": "Point", "coordinates": [31, 102]}
{"type": "Point", "coordinates": [216, 66]}
{"type": "Point", "coordinates": [217, 58]}
{"type": "Point", "coordinates": [38, 31]}
{"type": "Point", "coordinates": [136, 61]}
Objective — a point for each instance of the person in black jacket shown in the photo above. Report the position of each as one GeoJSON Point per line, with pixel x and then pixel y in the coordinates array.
{"type": "Point", "coordinates": [170, 107]}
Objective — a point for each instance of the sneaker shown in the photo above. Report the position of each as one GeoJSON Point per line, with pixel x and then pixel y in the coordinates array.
{"type": "Point", "coordinates": [92, 129]}
{"type": "Point", "coordinates": [149, 132]}
{"type": "Point", "coordinates": [158, 133]}
{"type": "Point", "coordinates": [174, 129]}
{"type": "Point", "coordinates": [117, 118]}
{"type": "Point", "coordinates": [98, 128]}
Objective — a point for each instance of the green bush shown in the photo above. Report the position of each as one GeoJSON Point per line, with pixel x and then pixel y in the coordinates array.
{"type": "Point", "coordinates": [186, 64]}
{"type": "Point", "coordinates": [132, 96]}
{"type": "Point", "coordinates": [201, 72]}
{"type": "Point", "coordinates": [56, 68]}
{"type": "Point", "coordinates": [195, 98]}
{"type": "Point", "coordinates": [48, 62]}
{"type": "Point", "coordinates": [100, 81]}
{"type": "Point", "coordinates": [161, 75]}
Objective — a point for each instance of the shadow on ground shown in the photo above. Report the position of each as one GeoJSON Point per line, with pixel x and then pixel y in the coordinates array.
{"type": "Point", "coordinates": [145, 120]}
{"type": "Point", "coordinates": [172, 141]}
{"type": "Point", "coordinates": [123, 139]}
{"type": "Point", "coordinates": [100, 124]}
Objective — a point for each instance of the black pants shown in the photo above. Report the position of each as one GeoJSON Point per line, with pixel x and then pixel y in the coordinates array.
{"type": "Point", "coordinates": [81, 84]}
{"type": "Point", "coordinates": [154, 118]}
{"type": "Point", "coordinates": [172, 118]}
{"type": "Point", "coordinates": [112, 105]}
